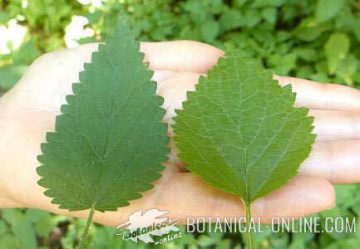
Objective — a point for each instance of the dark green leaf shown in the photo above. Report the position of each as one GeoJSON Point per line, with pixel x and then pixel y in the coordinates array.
{"type": "Point", "coordinates": [10, 74]}
{"type": "Point", "coordinates": [327, 9]}
{"type": "Point", "coordinates": [109, 142]}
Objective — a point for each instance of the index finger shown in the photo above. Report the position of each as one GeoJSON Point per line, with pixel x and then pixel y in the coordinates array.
{"type": "Point", "coordinates": [196, 57]}
{"type": "Point", "coordinates": [189, 56]}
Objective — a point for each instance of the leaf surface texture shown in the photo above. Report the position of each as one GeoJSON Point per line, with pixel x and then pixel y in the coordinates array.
{"type": "Point", "coordinates": [240, 130]}
{"type": "Point", "coordinates": [109, 142]}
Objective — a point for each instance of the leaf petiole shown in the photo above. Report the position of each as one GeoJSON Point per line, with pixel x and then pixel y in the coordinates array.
{"type": "Point", "coordinates": [249, 232]}
{"type": "Point", "coordinates": [84, 236]}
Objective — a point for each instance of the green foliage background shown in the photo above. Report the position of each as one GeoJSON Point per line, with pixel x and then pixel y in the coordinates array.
{"type": "Point", "coordinates": [317, 40]}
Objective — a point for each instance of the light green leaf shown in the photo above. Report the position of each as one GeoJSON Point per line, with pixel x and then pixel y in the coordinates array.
{"type": "Point", "coordinates": [9, 241]}
{"type": "Point", "coordinates": [44, 223]}
{"type": "Point", "coordinates": [307, 54]}
{"type": "Point", "coordinates": [252, 18]}
{"type": "Point", "coordinates": [336, 49]}
{"type": "Point", "coordinates": [3, 228]}
{"type": "Point", "coordinates": [25, 233]}
{"type": "Point", "coordinates": [104, 238]}
{"type": "Point", "coordinates": [10, 75]}
{"type": "Point", "coordinates": [356, 29]}
{"type": "Point", "coordinates": [347, 68]}
{"type": "Point", "coordinates": [269, 14]}
{"type": "Point", "coordinates": [21, 227]}
{"type": "Point", "coordinates": [283, 64]}
{"type": "Point", "coordinates": [109, 142]}
{"type": "Point", "coordinates": [209, 30]}
{"type": "Point", "coordinates": [240, 130]}
{"type": "Point", "coordinates": [327, 9]}
{"type": "Point", "coordinates": [26, 53]}
{"type": "Point", "coordinates": [231, 19]}
{"type": "Point", "coordinates": [265, 3]}
{"type": "Point", "coordinates": [308, 30]}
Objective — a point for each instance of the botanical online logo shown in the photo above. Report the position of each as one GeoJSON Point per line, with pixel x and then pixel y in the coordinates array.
{"type": "Point", "coordinates": [149, 226]}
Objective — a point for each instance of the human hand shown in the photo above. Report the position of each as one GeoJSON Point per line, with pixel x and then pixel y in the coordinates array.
{"type": "Point", "coordinates": [28, 111]}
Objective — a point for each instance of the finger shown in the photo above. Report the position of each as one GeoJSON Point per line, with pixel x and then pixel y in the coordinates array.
{"type": "Point", "coordinates": [192, 57]}
{"type": "Point", "coordinates": [316, 95]}
{"type": "Point", "coordinates": [34, 86]}
{"type": "Point", "coordinates": [160, 76]}
{"type": "Point", "coordinates": [329, 125]}
{"type": "Point", "coordinates": [188, 56]}
{"type": "Point", "coordinates": [338, 162]}
{"type": "Point", "coordinates": [174, 91]}
{"type": "Point", "coordinates": [186, 195]}
{"type": "Point", "coordinates": [197, 57]}
{"type": "Point", "coordinates": [310, 94]}
{"type": "Point", "coordinates": [336, 125]}
{"type": "Point", "coordinates": [301, 196]}
{"type": "Point", "coordinates": [343, 121]}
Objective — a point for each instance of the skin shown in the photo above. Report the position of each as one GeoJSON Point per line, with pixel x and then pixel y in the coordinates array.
{"type": "Point", "coordinates": [28, 111]}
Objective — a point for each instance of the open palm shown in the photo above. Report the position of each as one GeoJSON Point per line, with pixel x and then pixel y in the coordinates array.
{"type": "Point", "coordinates": [28, 111]}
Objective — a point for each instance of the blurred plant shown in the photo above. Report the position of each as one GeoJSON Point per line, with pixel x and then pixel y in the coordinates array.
{"type": "Point", "coordinates": [315, 40]}
{"type": "Point", "coordinates": [30, 229]}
